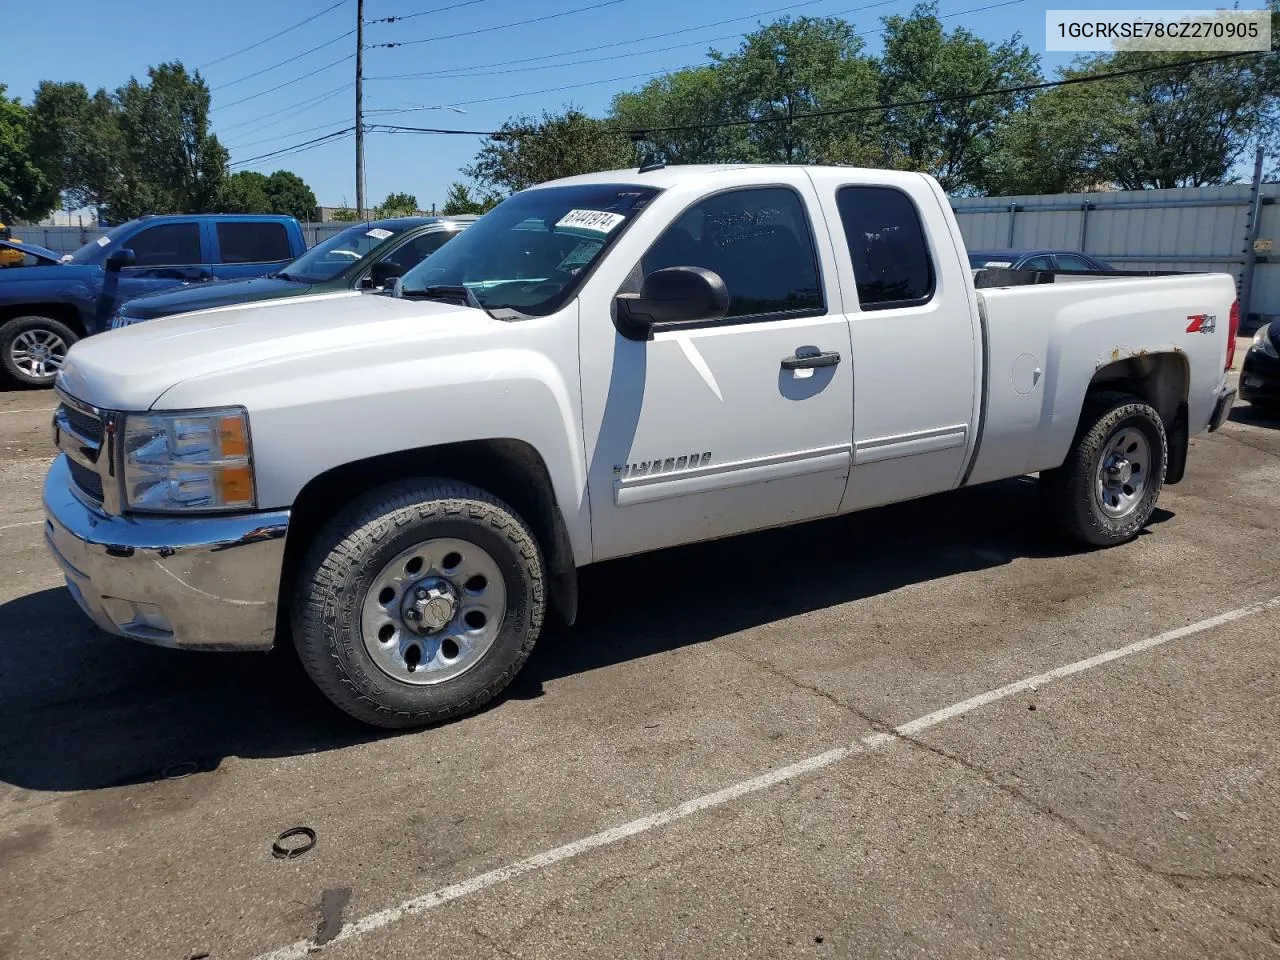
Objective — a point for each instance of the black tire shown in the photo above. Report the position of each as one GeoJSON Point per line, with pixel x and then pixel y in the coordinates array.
{"type": "Point", "coordinates": [1069, 493]}
{"type": "Point", "coordinates": [348, 554]}
{"type": "Point", "coordinates": [45, 327]}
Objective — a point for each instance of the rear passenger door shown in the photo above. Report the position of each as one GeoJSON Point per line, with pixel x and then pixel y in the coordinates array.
{"type": "Point", "coordinates": [249, 248]}
{"type": "Point", "coordinates": [914, 338]}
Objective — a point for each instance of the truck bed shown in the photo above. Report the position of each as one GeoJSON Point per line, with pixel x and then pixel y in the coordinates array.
{"type": "Point", "coordinates": [1034, 332]}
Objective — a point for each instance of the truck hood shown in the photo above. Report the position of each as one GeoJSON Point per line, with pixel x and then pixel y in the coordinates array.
{"type": "Point", "coordinates": [220, 293]}
{"type": "Point", "coordinates": [61, 272]}
{"type": "Point", "coordinates": [132, 367]}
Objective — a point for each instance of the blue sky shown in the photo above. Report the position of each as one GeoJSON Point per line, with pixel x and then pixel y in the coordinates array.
{"type": "Point", "coordinates": [103, 44]}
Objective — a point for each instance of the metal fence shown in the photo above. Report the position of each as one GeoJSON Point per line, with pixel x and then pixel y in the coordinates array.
{"type": "Point", "coordinates": [1206, 229]}
{"type": "Point", "coordinates": [1227, 229]}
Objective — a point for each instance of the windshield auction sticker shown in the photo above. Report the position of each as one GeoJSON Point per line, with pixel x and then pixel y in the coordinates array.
{"type": "Point", "coordinates": [598, 221]}
{"type": "Point", "coordinates": [1173, 30]}
{"type": "Point", "coordinates": [378, 233]}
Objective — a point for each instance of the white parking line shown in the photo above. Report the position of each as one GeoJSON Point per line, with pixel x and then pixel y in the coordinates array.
{"type": "Point", "coordinates": [5, 413]}
{"type": "Point", "coordinates": [25, 523]}
{"type": "Point", "coordinates": [301, 949]}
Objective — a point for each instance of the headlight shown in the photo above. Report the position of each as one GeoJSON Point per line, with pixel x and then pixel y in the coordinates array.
{"type": "Point", "coordinates": [1262, 341]}
{"type": "Point", "coordinates": [199, 460]}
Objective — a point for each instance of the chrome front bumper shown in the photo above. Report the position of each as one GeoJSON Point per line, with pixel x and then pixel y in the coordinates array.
{"type": "Point", "coordinates": [207, 583]}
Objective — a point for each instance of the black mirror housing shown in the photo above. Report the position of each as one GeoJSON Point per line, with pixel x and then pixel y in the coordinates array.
{"type": "Point", "coordinates": [383, 272]}
{"type": "Point", "coordinates": [670, 298]}
{"type": "Point", "coordinates": [119, 259]}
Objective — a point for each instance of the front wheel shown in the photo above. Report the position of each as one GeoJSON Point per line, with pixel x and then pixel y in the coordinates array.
{"type": "Point", "coordinates": [418, 603]}
{"type": "Point", "coordinates": [1106, 490]}
{"type": "Point", "coordinates": [33, 349]}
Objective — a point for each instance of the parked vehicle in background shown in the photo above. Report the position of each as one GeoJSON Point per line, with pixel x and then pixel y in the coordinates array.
{"type": "Point", "coordinates": [600, 366]}
{"type": "Point", "coordinates": [1260, 371]}
{"type": "Point", "coordinates": [1069, 261]}
{"type": "Point", "coordinates": [45, 309]}
{"type": "Point", "coordinates": [15, 253]}
{"type": "Point", "coordinates": [366, 256]}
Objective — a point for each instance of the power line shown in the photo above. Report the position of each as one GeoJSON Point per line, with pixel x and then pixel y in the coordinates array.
{"type": "Point", "coordinates": [866, 108]}
{"type": "Point", "coordinates": [287, 83]}
{"type": "Point", "coordinates": [253, 46]}
{"type": "Point", "coordinates": [454, 75]}
{"type": "Point", "coordinates": [298, 147]}
{"type": "Point", "coordinates": [282, 136]}
{"type": "Point", "coordinates": [623, 43]}
{"type": "Point", "coordinates": [298, 107]}
{"type": "Point", "coordinates": [274, 66]}
{"type": "Point", "coordinates": [426, 13]}
{"type": "Point", "coordinates": [501, 26]}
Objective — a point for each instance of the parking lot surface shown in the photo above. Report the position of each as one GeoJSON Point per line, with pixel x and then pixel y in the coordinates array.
{"type": "Point", "coordinates": [842, 739]}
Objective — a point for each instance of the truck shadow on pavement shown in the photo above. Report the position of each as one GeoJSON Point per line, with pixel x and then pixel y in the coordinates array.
{"type": "Point", "coordinates": [83, 711]}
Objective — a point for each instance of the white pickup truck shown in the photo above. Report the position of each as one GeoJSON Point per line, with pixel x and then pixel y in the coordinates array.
{"type": "Point", "coordinates": [601, 366]}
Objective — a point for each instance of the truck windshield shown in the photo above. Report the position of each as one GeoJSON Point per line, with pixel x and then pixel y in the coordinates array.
{"type": "Point", "coordinates": [93, 249]}
{"type": "Point", "coordinates": [330, 257]}
{"type": "Point", "coordinates": [532, 251]}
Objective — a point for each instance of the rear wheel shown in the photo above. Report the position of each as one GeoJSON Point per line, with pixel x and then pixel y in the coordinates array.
{"type": "Point", "coordinates": [418, 603]}
{"type": "Point", "coordinates": [33, 349]}
{"type": "Point", "coordinates": [1106, 490]}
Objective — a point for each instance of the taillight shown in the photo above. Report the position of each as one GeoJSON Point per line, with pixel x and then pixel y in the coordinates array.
{"type": "Point", "coordinates": [1233, 328]}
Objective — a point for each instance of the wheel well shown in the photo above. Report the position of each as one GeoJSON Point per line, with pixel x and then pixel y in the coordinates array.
{"type": "Point", "coordinates": [64, 312]}
{"type": "Point", "coordinates": [511, 470]}
{"type": "Point", "coordinates": [1162, 380]}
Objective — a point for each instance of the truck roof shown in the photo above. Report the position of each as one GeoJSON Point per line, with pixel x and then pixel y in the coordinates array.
{"type": "Point", "coordinates": [670, 175]}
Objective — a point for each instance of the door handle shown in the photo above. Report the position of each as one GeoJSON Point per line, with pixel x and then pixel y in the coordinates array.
{"type": "Point", "coordinates": [809, 361]}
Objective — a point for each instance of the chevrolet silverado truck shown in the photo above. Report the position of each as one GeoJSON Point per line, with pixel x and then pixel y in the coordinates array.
{"type": "Point", "coordinates": [44, 309]}
{"type": "Point", "coordinates": [365, 256]}
{"type": "Point", "coordinates": [405, 483]}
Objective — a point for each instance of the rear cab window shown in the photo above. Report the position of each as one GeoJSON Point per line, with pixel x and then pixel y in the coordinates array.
{"type": "Point", "coordinates": [886, 241]}
{"type": "Point", "coordinates": [252, 242]}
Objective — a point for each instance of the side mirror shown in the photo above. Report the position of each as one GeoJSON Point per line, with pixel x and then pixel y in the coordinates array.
{"type": "Point", "coordinates": [119, 259]}
{"type": "Point", "coordinates": [669, 297]}
{"type": "Point", "coordinates": [383, 272]}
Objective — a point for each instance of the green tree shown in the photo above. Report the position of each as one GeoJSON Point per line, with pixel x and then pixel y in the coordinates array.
{"type": "Point", "coordinates": [25, 192]}
{"type": "Point", "coordinates": [398, 205]}
{"type": "Point", "coordinates": [792, 67]}
{"type": "Point", "coordinates": [76, 141]}
{"type": "Point", "coordinates": [289, 194]}
{"type": "Point", "coordinates": [528, 150]}
{"type": "Point", "coordinates": [952, 140]}
{"type": "Point", "coordinates": [460, 202]}
{"type": "Point", "coordinates": [171, 162]}
{"type": "Point", "coordinates": [696, 97]}
{"type": "Point", "coordinates": [244, 192]}
{"type": "Point", "coordinates": [344, 214]}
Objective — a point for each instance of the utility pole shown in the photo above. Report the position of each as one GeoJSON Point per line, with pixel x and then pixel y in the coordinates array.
{"type": "Point", "coordinates": [360, 109]}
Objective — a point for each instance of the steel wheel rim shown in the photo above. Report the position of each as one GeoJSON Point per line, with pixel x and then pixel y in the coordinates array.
{"type": "Point", "coordinates": [38, 353]}
{"type": "Point", "coordinates": [457, 622]}
{"type": "Point", "coordinates": [1124, 472]}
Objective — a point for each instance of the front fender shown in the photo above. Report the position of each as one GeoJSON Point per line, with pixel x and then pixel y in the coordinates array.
{"type": "Point", "coordinates": [308, 418]}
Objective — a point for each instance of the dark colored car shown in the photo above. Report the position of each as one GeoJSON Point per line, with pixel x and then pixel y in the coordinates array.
{"type": "Point", "coordinates": [1071, 261]}
{"type": "Point", "coordinates": [1260, 371]}
{"type": "Point", "coordinates": [367, 255]}
{"type": "Point", "coordinates": [44, 309]}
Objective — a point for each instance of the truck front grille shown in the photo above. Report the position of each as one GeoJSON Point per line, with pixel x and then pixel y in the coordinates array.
{"type": "Point", "coordinates": [90, 483]}
{"type": "Point", "coordinates": [79, 432]}
{"type": "Point", "coordinates": [83, 423]}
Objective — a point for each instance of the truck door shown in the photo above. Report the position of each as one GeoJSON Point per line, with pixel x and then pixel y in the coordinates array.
{"type": "Point", "coordinates": [916, 347]}
{"type": "Point", "coordinates": [731, 424]}
{"type": "Point", "coordinates": [165, 255]}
